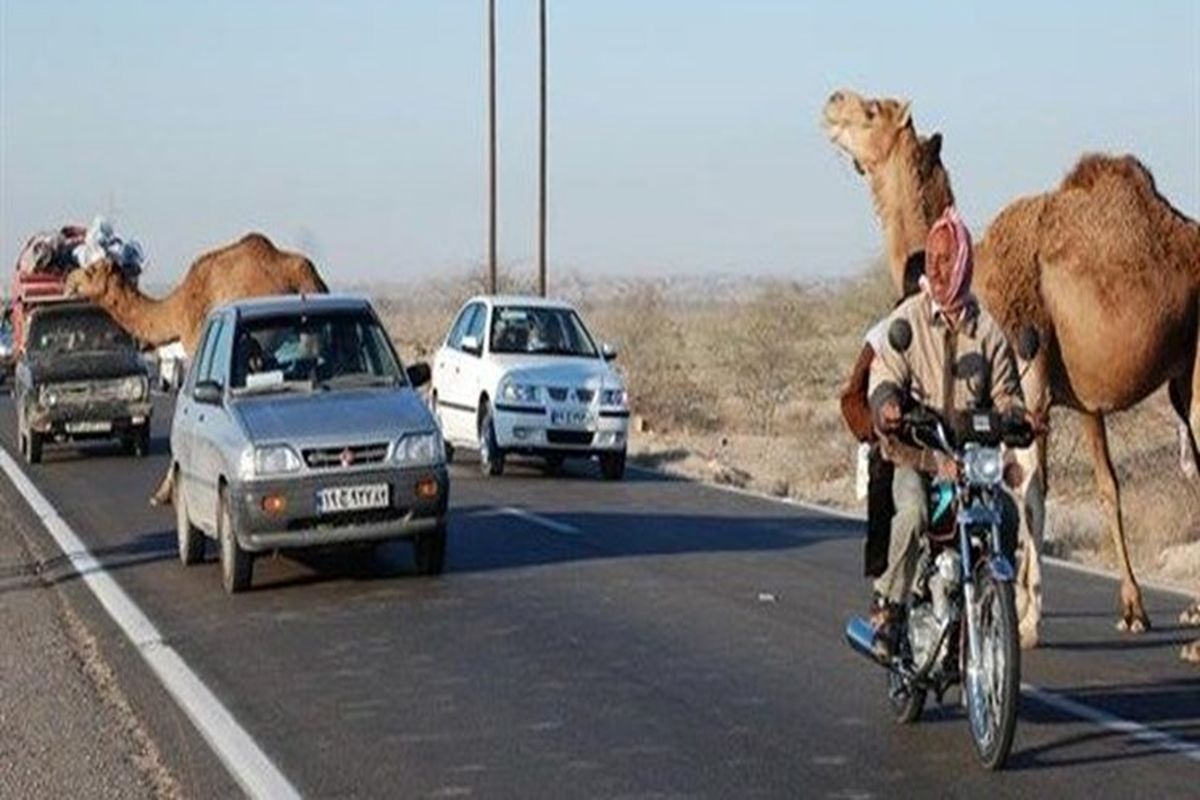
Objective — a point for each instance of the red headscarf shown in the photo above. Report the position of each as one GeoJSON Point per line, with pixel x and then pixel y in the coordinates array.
{"type": "Point", "coordinates": [960, 275]}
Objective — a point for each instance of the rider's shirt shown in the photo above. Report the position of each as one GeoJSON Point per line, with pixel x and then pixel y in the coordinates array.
{"type": "Point", "coordinates": [947, 367]}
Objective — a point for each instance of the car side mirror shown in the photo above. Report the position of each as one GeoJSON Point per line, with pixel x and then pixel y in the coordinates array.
{"type": "Point", "coordinates": [471, 345]}
{"type": "Point", "coordinates": [418, 374]}
{"type": "Point", "coordinates": [900, 335]}
{"type": "Point", "coordinates": [1028, 343]}
{"type": "Point", "coordinates": [207, 392]}
{"type": "Point", "coordinates": [608, 352]}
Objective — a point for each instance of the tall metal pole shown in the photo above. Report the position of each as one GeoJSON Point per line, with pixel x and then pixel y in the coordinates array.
{"type": "Point", "coordinates": [492, 146]}
{"type": "Point", "coordinates": [542, 159]}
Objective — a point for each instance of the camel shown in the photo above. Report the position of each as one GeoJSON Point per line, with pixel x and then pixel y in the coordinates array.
{"type": "Point", "coordinates": [1104, 267]}
{"type": "Point", "coordinates": [250, 267]}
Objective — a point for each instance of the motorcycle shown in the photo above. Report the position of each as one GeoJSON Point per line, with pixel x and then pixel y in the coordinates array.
{"type": "Point", "coordinates": [959, 624]}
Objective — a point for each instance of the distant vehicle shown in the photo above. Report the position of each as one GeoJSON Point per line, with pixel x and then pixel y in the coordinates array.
{"type": "Point", "coordinates": [172, 363]}
{"type": "Point", "coordinates": [524, 375]}
{"type": "Point", "coordinates": [7, 357]}
{"type": "Point", "coordinates": [298, 427]}
{"type": "Point", "coordinates": [78, 377]}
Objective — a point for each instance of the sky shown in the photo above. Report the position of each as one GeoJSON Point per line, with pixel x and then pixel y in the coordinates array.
{"type": "Point", "coordinates": [684, 134]}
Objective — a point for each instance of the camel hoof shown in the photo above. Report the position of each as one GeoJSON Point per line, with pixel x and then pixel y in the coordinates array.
{"type": "Point", "coordinates": [1133, 624]}
{"type": "Point", "coordinates": [1191, 616]}
{"type": "Point", "coordinates": [1029, 639]}
{"type": "Point", "coordinates": [1191, 652]}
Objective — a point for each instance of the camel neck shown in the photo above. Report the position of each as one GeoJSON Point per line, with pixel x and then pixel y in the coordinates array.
{"type": "Point", "coordinates": [906, 205]}
{"type": "Point", "coordinates": [154, 322]}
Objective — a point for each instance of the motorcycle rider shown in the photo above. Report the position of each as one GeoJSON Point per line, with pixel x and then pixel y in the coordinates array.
{"type": "Point", "coordinates": [959, 359]}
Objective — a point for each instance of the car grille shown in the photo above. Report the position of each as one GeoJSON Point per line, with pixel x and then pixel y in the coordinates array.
{"type": "Point", "coordinates": [346, 519]}
{"type": "Point", "coordinates": [559, 394]}
{"type": "Point", "coordinates": [569, 437]}
{"type": "Point", "coordinates": [351, 456]}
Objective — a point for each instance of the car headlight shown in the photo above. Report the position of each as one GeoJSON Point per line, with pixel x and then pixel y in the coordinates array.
{"type": "Point", "coordinates": [613, 397]}
{"type": "Point", "coordinates": [983, 465]}
{"type": "Point", "coordinates": [48, 396]}
{"type": "Point", "coordinates": [132, 388]}
{"type": "Point", "coordinates": [419, 449]}
{"type": "Point", "coordinates": [276, 459]}
{"type": "Point", "coordinates": [513, 392]}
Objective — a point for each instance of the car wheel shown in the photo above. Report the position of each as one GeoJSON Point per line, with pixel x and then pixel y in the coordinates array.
{"type": "Point", "coordinates": [138, 443]}
{"type": "Point", "coordinates": [33, 447]}
{"type": "Point", "coordinates": [237, 566]}
{"type": "Point", "coordinates": [491, 457]}
{"type": "Point", "coordinates": [191, 540]}
{"type": "Point", "coordinates": [449, 448]}
{"type": "Point", "coordinates": [612, 465]}
{"type": "Point", "coordinates": [429, 551]}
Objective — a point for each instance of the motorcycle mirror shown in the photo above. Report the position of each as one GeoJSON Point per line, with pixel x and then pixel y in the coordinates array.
{"type": "Point", "coordinates": [900, 335]}
{"type": "Point", "coordinates": [1028, 343]}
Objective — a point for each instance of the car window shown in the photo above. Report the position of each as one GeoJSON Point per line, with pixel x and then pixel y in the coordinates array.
{"type": "Point", "coordinates": [459, 329]}
{"type": "Point", "coordinates": [219, 371]}
{"type": "Point", "coordinates": [475, 328]}
{"type": "Point", "coordinates": [77, 331]}
{"type": "Point", "coordinates": [204, 365]}
{"type": "Point", "coordinates": [540, 331]}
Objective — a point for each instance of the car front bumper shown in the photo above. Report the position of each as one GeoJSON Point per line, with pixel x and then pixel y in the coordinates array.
{"type": "Point", "coordinates": [300, 525]}
{"type": "Point", "coordinates": [534, 430]}
{"type": "Point", "coordinates": [105, 419]}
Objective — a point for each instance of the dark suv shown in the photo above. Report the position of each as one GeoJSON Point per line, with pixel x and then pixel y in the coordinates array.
{"type": "Point", "coordinates": [79, 377]}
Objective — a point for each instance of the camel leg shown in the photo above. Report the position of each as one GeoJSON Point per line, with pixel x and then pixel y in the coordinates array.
{"type": "Point", "coordinates": [1030, 497]}
{"type": "Point", "coordinates": [1180, 391]}
{"type": "Point", "coordinates": [162, 495]}
{"type": "Point", "coordinates": [1133, 613]}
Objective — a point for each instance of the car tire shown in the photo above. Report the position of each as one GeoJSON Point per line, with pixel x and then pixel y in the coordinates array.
{"type": "Point", "coordinates": [138, 443]}
{"type": "Point", "coordinates": [237, 565]}
{"type": "Point", "coordinates": [429, 551]}
{"type": "Point", "coordinates": [33, 447]}
{"type": "Point", "coordinates": [191, 540]}
{"type": "Point", "coordinates": [449, 448]}
{"type": "Point", "coordinates": [612, 465]}
{"type": "Point", "coordinates": [491, 457]}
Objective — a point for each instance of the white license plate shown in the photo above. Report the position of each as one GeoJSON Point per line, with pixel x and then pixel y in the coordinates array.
{"type": "Point", "coordinates": [91, 426]}
{"type": "Point", "coordinates": [572, 419]}
{"type": "Point", "coordinates": [352, 498]}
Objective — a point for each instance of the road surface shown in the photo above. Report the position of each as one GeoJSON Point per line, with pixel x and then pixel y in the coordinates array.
{"type": "Point", "coordinates": [651, 638]}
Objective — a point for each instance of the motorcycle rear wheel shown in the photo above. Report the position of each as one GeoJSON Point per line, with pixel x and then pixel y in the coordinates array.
{"type": "Point", "coordinates": [992, 696]}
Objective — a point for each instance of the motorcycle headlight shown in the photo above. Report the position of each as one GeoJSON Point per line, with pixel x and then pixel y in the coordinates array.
{"type": "Point", "coordinates": [983, 465]}
{"type": "Point", "coordinates": [613, 397]}
{"type": "Point", "coordinates": [132, 388]}
{"type": "Point", "coordinates": [270, 460]}
{"type": "Point", "coordinates": [419, 449]}
{"type": "Point", "coordinates": [514, 392]}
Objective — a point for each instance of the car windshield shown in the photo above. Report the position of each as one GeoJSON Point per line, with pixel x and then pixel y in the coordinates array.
{"type": "Point", "coordinates": [542, 331]}
{"type": "Point", "coordinates": [76, 331]}
{"type": "Point", "coordinates": [321, 351]}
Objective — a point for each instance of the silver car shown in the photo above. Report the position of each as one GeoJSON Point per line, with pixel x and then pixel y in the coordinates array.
{"type": "Point", "coordinates": [297, 427]}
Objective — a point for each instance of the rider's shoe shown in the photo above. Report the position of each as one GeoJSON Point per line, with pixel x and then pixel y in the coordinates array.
{"type": "Point", "coordinates": [884, 617]}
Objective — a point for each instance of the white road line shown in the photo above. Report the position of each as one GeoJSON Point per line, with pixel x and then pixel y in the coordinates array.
{"type": "Point", "coordinates": [240, 754]}
{"type": "Point", "coordinates": [538, 519]}
{"type": "Point", "coordinates": [1134, 730]}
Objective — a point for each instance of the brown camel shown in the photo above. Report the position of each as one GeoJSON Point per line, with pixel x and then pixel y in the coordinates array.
{"type": "Point", "coordinates": [1104, 267]}
{"type": "Point", "coordinates": [250, 267]}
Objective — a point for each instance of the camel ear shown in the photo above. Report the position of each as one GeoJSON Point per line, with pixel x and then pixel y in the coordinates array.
{"type": "Point", "coordinates": [904, 115]}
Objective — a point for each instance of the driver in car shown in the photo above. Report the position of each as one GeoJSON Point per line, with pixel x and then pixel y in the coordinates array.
{"type": "Point", "coordinates": [958, 359]}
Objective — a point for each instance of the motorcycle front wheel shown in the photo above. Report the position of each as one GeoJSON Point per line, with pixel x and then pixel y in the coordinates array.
{"type": "Point", "coordinates": [993, 685]}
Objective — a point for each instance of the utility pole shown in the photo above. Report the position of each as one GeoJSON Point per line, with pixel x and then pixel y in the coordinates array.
{"type": "Point", "coordinates": [492, 146]}
{"type": "Point", "coordinates": [542, 158]}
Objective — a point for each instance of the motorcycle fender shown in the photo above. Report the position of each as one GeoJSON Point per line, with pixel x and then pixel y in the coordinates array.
{"type": "Point", "coordinates": [1001, 569]}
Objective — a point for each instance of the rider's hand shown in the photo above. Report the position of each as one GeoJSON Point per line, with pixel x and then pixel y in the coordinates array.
{"type": "Point", "coordinates": [947, 468]}
{"type": "Point", "coordinates": [889, 416]}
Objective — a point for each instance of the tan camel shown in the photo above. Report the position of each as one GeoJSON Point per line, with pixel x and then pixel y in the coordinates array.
{"type": "Point", "coordinates": [250, 267]}
{"type": "Point", "coordinates": [1104, 267]}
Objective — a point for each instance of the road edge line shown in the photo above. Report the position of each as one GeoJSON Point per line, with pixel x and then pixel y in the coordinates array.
{"type": "Point", "coordinates": [538, 519]}
{"type": "Point", "coordinates": [234, 747]}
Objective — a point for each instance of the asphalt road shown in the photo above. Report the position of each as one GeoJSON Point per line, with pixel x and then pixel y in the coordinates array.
{"type": "Point", "coordinates": [649, 638]}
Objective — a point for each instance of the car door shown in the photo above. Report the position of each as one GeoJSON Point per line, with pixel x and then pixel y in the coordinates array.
{"type": "Point", "coordinates": [183, 422]}
{"type": "Point", "coordinates": [209, 430]}
{"type": "Point", "coordinates": [456, 405]}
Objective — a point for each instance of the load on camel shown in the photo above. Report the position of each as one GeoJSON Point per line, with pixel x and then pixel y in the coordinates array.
{"type": "Point", "coordinates": [1104, 267]}
{"type": "Point", "coordinates": [250, 267]}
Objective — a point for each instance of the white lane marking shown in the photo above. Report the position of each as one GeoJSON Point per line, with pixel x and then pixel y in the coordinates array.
{"type": "Point", "coordinates": [858, 516]}
{"type": "Point", "coordinates": [1072, 707]}
{"type": "Point", "coordinates": [1134, 730]}
{"type": "Point", "coordinates": [538, 519]}
{"type": "Point", "coordinates": [241, 755]}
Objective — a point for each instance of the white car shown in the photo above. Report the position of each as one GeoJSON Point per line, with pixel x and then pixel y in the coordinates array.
{"type": "Point", "coordinates": [523, 375]}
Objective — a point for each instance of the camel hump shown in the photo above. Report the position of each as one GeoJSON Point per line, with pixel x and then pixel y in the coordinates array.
{"type": "Point", "coordinates": [307, 279]}
{"type": "Point", "coordinates": [1094, 168]}
{"type": "Point", "coordinates": [256, 240]}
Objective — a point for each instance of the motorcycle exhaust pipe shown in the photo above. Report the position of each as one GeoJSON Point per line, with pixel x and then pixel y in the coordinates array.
{"type": "Point", "coordinates": [861, 638]}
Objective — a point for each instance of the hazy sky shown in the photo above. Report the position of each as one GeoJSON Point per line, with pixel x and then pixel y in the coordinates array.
{"type": "Point", "coordinates": [683, 134]}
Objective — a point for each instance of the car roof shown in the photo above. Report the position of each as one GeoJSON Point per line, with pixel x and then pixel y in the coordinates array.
{"type": "Point", "coordinates": [255, 307]}
{"type": "Point", "coordinates": [521, 300]}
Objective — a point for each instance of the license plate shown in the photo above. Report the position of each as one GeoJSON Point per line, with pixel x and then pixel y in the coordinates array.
{"type": "Point", "coordinates": [91, 426]}
{"type": "Point", "coordinates": [352, 498]}
{"type": "Point", "coordinates": [574, 419]}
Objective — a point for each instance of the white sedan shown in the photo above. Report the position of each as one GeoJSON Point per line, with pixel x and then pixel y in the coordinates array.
{"type": "Point", "coordinates": [523, 375]}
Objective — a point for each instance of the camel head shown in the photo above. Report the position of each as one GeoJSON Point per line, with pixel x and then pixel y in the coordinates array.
{"type": "Point", "coordinates": [95, 280]}
{"type": "Point", "coordinates": [865, 129]}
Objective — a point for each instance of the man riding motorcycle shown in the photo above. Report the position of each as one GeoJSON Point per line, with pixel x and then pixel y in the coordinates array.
{"type": "Point", "coordinates": [958, 360]}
